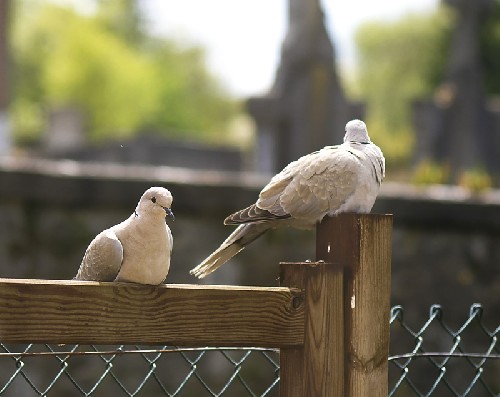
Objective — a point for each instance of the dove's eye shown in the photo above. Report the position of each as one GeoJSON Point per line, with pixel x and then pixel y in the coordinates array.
{"type": "Point", "coordinates": [153, 199]}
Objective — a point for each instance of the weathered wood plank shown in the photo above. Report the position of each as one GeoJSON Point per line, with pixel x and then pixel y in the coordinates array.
{"type": "Point", "coordinates": [363, 244]}
{"type": "Point", "coordinates": [43, 311]}
{"type": "Point", "coordinates": [317, 368]}
{"type": "Point", "coordinates": [292, 371]}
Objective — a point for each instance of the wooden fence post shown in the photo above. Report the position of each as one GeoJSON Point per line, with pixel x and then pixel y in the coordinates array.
{"type": "Point", "coordinates": [317, 367]}
{"type": "Point", "coordinates": [362, 243]}
{"type": "Point", "coordinates": [347, 304]}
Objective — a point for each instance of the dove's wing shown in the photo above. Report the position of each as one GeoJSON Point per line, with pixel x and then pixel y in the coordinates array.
{"type": "Point", "coordinates": [307, 189]}
{"type": "Point", "coordinates": [322, 185]}
{"type": "Point", "coordinates": [103, 258]}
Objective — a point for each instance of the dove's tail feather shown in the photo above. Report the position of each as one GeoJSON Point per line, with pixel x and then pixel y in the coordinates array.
{"type": "Point", "coordinates": [239, 239]}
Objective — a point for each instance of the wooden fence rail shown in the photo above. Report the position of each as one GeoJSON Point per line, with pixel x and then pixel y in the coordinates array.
{"type": "Point", "coordinates": [330, 318]}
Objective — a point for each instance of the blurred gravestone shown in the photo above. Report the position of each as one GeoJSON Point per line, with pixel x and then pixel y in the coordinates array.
{"type": "Point", "coordinates": [65, 130]}
{"type": "Point", "coordinates": [460, 127]}
{"type": "Point", "coordinates": [306, 108]}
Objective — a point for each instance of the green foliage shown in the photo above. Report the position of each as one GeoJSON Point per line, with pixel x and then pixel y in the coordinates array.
{"type": "Point", "coordinates": [189, 98]}
{"type": "Point", "coordinates": [63, 58]}
{"type": "Point", "coordinates": [402, 61]}
{"type": "Point", "coordinates": [490, 50]}
{"type": "Point", "coordinates": [431, 173]}
{"type": "Point", "coordinates": [123, 18]}
{"type": "Point", "coordinates": [477, 180]}
{"type": "Point", "coordinates": [399, 62]}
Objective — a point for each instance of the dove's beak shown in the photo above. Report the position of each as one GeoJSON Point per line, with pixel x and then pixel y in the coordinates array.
{"type": "Point", "coordinates": [169, 213]}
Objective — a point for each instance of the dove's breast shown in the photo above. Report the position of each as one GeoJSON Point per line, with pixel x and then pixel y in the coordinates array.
{"type": "Point", "coordinates": [146, 253]}
{"type": "Point", "coordinates": [369, 174]}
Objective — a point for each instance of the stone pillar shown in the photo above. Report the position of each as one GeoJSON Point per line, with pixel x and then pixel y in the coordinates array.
{"type": "Point", "coordinates": [306, 108]}
{"type": "Point", "coordinates": [458, 126]}
{"type": "Point", "coordinates": [65, 131]}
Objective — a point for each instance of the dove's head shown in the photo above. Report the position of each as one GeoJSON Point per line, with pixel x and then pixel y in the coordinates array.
{"type": "Point", "coordinates": [355, 131]}
{"type": "Point", "coordinates": [156, 201]}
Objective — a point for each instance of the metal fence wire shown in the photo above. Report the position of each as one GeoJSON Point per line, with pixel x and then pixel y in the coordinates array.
{"type": "Point", "coordinates": [437, 359]}
{"type": "Point", "coordinates": [434, 359]}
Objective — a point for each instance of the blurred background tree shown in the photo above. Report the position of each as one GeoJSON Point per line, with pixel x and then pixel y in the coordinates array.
{"type": "Point", "coordinates": [401, 61]}
{"type": "Point", "coordinates": [124, 19]}
{"type": "Point", "coordinates": [106, 65]}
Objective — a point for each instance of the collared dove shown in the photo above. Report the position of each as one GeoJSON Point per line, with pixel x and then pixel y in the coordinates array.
{"type": "Point", "coordinates": [136, 250]}
{"type": "Point", "coordinates": [335, 179]}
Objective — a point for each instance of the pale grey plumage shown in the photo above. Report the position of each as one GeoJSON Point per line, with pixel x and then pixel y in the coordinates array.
{"type": "Point", "coordinates": [136, 250]}
{"type": "Point", "coordinates": [335, 179]}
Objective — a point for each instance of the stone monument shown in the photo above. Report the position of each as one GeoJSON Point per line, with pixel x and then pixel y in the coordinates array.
{"type": "Point", "coordinates": [65, 131]}
{"type": "Point", "coordinates": [460, 127]}
{"type": "Point", "coordinates": [306, 108]}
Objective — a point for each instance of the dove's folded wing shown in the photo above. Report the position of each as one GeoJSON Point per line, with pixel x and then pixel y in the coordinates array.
{"type": "Point", "coordinates": [307, 189]}
{"type": "Point", "coordinates": [252, 214]}
{"type": "Point", "coordinates": [103, 258]}
{"type": "Point", "coordinates": [322, 186]}
{"type": "Point", "coordinates": [317, 184]}
{"type": "Point", "coordinates": [268, 207]}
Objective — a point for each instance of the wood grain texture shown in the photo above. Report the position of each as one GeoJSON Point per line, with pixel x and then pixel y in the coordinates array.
{"type": "Point", "coordinates": [292, 371]}
{"type": "Point", "coordinates": [316, 369]}
{"type": "Point", "coordinates": [363, 244]}
{"type": "Point", "coordinates": [42, 311]}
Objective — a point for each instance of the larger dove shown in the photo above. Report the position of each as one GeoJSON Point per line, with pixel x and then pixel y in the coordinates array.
{"type": "Point", "coordinates": [136, 250]}
{"type": "Point", "coordinates": [335, 179]}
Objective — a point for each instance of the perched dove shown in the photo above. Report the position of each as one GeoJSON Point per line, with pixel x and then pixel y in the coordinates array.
{"type": "Point", "coordinates": [335, 179]}
{"type": "Point", "coordinates": [136, 250]}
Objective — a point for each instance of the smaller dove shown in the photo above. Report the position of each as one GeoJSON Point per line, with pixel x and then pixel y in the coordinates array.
{"type": "Point", "coordinates": [138, 249]}
{"type": "Point", "coordinates": [335, 179]}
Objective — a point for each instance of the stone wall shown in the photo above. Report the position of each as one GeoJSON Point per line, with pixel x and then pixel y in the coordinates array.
{"type": "Point", "coordinates": [148, 149]}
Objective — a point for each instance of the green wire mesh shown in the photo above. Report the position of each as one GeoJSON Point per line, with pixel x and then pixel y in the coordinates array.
{"type": "Point", "coordinates": [433, 359]}
{"type": "Point", "coordinates": [436, 359]}
{"type": "Point", "coordinates": [47, 370]}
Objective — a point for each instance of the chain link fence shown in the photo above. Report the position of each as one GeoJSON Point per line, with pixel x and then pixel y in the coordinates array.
{"type": "Point", "coordinates": [433, 359]}
{"type": "Point", "coordinates": [88, 370]}
{"type": "Point", "coordinates": [439, 358]}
